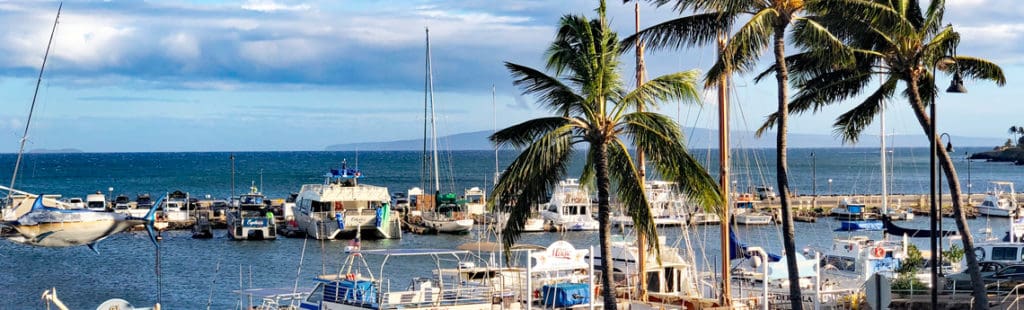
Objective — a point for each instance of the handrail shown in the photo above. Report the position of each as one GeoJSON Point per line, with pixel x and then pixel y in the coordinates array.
{"type": "Point", "coordinates": [1015, 289]}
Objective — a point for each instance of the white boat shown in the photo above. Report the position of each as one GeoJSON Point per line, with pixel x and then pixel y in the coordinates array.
{"type": "Point", "coordinates": [851, 261]}
{"type": "Point", "coordinates": [74, 203]}
{"type": "Point", "coordinates": [667, 205]}
{"type": "Point", "coordinates": [252, 220]}
{"type": "Point", "coordinates": [701, 217]}
{"type": "Point", "coordinates": [746, 213]}
{"type": "Point", "coordinates": [570, 207]}
{"type": "Point", "coordinates": [175, 208]}
{"type": "Point", "coordinates": [340, 207]}
{"type": "Point", "coordinates": [448, 216]}
{"type": "Point", "coordinates": [533, 223]}
{"type": "Point", "coordinates": [847, 208]}
{"type": "Point", "coordinates": [96, 202]}
{"type": "Point", "coordinates": [1000, 201]}
{"type": "Point", "coordinates": [670, 278]}
{"type": "Point", "coordinates": [356, 287]}
{"type": "Point", "coordinates": [476, 201]}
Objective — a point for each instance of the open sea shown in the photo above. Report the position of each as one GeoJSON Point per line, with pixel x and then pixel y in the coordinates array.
{"type": "Point", "coordinates": [201, 274]}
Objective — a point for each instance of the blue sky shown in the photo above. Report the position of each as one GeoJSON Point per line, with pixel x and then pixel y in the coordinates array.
{"type": "Point", "coordinates": [136, 76]}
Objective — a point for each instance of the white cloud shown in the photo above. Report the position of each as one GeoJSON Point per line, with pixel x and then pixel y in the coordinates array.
{"type": "Point", "coordinates": [182, 47]}
{"type": "Point", "coordinates": [272, 6]}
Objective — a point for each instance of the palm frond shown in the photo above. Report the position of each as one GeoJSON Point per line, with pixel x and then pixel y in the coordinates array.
{"type": "Point", "coordinates": [551, 92]}
{"type": "Point", "coordinates": [679, 86]}
{"type": "Point", "coordinates": [849, 125]}
{"type": "Point", "coordinates": [662, 142]}
{"type": "Point", "coordinates": [631, 192]}
{"type": "Point", "coordinates": [684, 32]}
{"type": "Point", "coordinates": [527, 180]}
{"type": "Point", "coordinates": [523, 134]}
{"type": "Point", "coordinates": [980, 69]}
{"type": "Point", "coordinates": [747, 44]}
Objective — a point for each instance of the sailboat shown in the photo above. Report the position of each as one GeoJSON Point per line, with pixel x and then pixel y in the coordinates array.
{"type": "Point", "coordinates": [449, 213]}
{"type": "Point", "coordinates": [47, 226]}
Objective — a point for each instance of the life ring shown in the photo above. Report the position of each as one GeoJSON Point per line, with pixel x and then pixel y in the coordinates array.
{"type": "Point", "coordinates": [350, 277]}
{"type": "Point", "coordinates": [980, 252]}
{"type": "Point", "coordinates": [878, 252]}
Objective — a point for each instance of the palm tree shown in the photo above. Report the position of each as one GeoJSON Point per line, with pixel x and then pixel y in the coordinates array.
{"type": "Point", "coordinates": [594, 111]}
{"type": "Point", "coordinates": [766, 27]}
{"type": "Point", "coordinates": [1014, 131]}
{"type": "Point", "coordinates": [900, 42]}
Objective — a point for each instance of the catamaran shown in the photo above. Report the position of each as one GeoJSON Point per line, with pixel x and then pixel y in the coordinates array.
{"type": "Point", "coordinates": [341, 207]}
{"type": "Point", "coordinates": [252, 219]}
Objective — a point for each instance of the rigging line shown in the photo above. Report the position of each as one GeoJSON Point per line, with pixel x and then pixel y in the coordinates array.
{"type": "Point", "coordinates": [298, 271]}
{"type": "Point", "coordinates": [35, 94]}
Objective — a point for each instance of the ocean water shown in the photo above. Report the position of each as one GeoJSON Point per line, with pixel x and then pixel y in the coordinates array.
{"type": "Point", "coordinates": [197, 273]}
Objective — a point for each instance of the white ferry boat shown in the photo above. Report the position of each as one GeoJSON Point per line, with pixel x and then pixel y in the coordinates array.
{"type": "Point", "coordinates": [342, 208]}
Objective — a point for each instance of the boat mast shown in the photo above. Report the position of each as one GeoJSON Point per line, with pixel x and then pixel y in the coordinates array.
{"type": "Point", "coordinates": [494, 116]}
{"type": "Point", "coordinates": [433, 121]}
{"type": "Point", "coordinates": [723, 174]}
{"type": "Point", "coordinates": [32, 108]}
{"type": "Point", "coordinates": [885, 186]}
{"type": "Point", "coordinates": [641, 237]}
{"type": "Point", "coordinates": [426, 105]}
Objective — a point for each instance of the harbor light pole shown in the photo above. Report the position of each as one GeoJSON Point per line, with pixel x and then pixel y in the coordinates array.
{"type": "Point", "coordinates": [968, 157]}
{"type": "Point", "coordinates": [830, 187]}
{"type": "Point", "coordinates": [949, 149]}
{"type": "Point", "coordinates": [956, 86]}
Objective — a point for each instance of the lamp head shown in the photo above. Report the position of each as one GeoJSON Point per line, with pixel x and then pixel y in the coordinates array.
{"type": "Point", "coordinates": [949, 147]}
{"type": "Point", "coordinates": [957, 84]}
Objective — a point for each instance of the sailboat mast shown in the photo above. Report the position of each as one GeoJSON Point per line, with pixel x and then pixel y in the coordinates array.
{"type": "Point", "coordinates": [32, 108]}
{"type": "Point", "coordinates": [426, 105]}
{"type": "Point", "coordinates": [723, 175]}
{"type": "Point", "coordinates": [433, 121]}
{"type": "Point", "coordinates": [641, 242]}
{"type": "Point", "coordinates": [885, 186]}
{"type": "Point", "coordinates": [494, 116]}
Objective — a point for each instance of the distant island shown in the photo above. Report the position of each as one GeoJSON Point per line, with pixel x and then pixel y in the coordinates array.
{"type": "Point", "coordinates": [695, 138]}
{"type": "Point", "coordinates": [55, 151]}
{"type": "Point", "coordinates": [1009, 151]}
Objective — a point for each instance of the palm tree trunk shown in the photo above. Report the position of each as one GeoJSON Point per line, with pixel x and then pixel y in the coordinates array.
{"type": "Point", "coordinates": [605, 228]}
{"type": "Point", "coordinates": [788, 235]}
{"type": "Point", "coordinates": [979, 294]}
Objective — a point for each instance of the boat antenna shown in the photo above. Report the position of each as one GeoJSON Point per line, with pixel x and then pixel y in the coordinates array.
{"type": "Point", "coordinates": [32, 108]}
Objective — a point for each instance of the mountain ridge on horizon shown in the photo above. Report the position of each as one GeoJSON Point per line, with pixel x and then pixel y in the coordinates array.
{"type": "Point", "coordinates": [696, 138]}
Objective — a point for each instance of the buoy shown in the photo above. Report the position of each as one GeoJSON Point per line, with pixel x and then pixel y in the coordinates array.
{"type": "Point", "coordinates": [879, 252]}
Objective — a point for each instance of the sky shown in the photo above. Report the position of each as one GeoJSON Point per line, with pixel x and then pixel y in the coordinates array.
{"type": "Point", "coordinates": [283, 75]}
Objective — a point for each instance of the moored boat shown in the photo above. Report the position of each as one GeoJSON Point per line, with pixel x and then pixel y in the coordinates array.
{"type": "Point", "coordinates": [1000, 201]}
{"type": "Point", "coordinates": [569, 208]}
{"type": "Point", "coordinates": [340, 207]}
{"type": "Point", "coordinates": [252, 220]}
{"type": "Point", "coordinates": [449, 216]}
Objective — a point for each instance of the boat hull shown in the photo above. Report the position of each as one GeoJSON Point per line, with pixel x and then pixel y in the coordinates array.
{"type": "Point", "coordinates": [449, 226]}
{"type": "Point", "coordinates": [365, 226]}
{"type": "Point", "coordinates": [993, 211]}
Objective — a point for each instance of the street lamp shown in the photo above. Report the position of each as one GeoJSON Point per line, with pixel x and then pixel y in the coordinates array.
{"type": "Point", "coordinates": [949, 149]}
{"type": "Point", "coordinates": [830, 187]}
{"type": "Point", "coordinates": [968, 157]}
{"type": "Point", "coordinates": [955, 86]}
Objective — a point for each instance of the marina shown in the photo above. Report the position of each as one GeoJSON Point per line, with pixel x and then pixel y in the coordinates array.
{"type": "Point", "coordinates": [273, 264]}
{"type": "Point", "coordinates": [605, 201]}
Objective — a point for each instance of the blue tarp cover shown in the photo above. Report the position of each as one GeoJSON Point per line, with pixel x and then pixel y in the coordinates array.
{"type": "Point", "coordinates": [565, 294]}
{"type": "Point", "coordinates": [860, 225]}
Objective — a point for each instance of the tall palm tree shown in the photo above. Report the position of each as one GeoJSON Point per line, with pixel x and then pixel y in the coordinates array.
{"type": "Point", "coordinates": [765, 29]}
{"type": "Point", "coordinates": [594, 112]}
{"type": "Point", "coordinates": [898, 42]}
